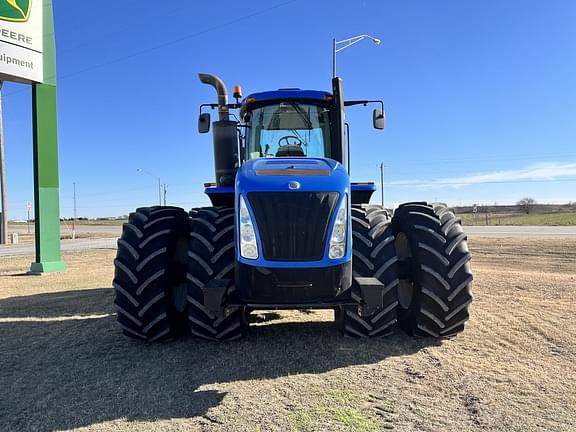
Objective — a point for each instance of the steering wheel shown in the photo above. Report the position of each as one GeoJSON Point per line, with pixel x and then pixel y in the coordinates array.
{"type": "Point", "coordinates": [287, 138]}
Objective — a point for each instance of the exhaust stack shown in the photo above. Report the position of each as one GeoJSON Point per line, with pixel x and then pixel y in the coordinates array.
{"type": "Point", "coordinates": [220, 88]}
{"type": "Point", "coordinates": [224, 135]}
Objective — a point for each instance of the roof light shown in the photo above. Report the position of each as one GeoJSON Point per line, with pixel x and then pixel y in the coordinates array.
{"type": "Point", "coordinates": [237, 94]}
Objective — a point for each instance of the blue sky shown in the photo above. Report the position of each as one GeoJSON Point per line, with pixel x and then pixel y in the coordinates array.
{"type": "Point", "coordinates": [480, 95]}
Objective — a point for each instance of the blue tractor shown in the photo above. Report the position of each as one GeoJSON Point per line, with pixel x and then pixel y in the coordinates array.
{"type": "Point", "coordinates": [287, 229]}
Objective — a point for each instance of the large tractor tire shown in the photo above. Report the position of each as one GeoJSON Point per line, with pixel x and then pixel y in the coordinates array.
{"type": "Point", "coordinates": [434, 267]}
{"type": "Point", "coordinates": [150, 273]}
{"type": "Point", "coordinates": [211, 256]}
{"type": "Point", "coordinates": [373, 256]}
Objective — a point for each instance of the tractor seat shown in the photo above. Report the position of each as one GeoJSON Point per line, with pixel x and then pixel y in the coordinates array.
{"type": "Point", "coordinates": [290, 150]}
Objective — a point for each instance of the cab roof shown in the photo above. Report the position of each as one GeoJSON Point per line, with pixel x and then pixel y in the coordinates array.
{"type": "Point", "coordinates": [287, 93]}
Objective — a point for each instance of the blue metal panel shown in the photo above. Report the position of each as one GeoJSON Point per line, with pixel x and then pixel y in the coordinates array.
{"type": "Point", "coordinates": [218, 190]}
{"type": "Point", "coordinates": [248, 180]}
{"type": "Point", "coordinates": [363, 187]}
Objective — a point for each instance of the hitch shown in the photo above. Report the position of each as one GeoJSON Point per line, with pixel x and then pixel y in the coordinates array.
{"type": "Point", "coordinates": [214, 294]}
{"type": "Point", "coordinates": [372, 294]}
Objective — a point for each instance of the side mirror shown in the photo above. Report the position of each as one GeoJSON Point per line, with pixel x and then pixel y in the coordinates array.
{"type": "Point", "coordinates": [378, 119]}
{"type": "Point", "coordinates": [204, 123]}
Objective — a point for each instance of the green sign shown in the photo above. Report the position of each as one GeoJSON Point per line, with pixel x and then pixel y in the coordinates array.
{"type": "Point", "coordinates": [21, 40]}
{"type": "Point", "coordinates": [15, 10]}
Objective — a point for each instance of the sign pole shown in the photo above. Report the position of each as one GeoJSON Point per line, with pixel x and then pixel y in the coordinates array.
{"type": "Point", "coordinates": [4, 216]}
{"type": "Point", "coordinates": [45, 136]}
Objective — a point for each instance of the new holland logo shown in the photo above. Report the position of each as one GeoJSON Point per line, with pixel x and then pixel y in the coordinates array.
{"type": "Point", "coordinates": [15, 10]}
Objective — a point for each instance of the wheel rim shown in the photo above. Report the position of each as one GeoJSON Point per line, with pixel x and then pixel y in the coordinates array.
{"type": "Point", "coordinates": [179, 297]}
{"type": "Point", "coordinates": [405, 286]}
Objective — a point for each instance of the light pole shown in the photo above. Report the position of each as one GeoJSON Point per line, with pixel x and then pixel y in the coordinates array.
{"type": "Point", "coordinates": [159, 183]}
{"type": "Point", "coordinates": [345, 43]}
{"type": "Point", "coordinates": [28, 208]}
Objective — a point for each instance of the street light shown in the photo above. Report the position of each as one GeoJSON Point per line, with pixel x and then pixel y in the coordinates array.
{"type": "Point", "coordinates": [159, 184]}
{"type": "Point", "coordinates": [345, 43]}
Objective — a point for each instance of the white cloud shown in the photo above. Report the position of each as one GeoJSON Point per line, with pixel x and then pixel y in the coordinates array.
{"type": "Point", "coordinates": [548, 171]}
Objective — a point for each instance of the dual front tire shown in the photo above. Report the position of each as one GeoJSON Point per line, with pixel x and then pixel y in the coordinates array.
{"type": "Point", "coordinates": [211, 256]}
{"type": "Point", "coordinates": [373, 256]}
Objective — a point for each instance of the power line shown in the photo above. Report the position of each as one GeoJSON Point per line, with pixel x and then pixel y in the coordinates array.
{"type": "Point", "coordinates": [120, 29]}
{"type": "Point", "coordinates": [169, 42]}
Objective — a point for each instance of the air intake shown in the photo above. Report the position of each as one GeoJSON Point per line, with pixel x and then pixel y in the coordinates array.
{"type": "Point", "coordinates": [293, 226]}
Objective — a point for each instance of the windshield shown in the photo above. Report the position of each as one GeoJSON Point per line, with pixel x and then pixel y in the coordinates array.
{"type": "Point", "coordinates": [288, 129]}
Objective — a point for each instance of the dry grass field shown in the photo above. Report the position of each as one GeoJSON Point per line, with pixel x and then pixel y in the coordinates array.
{"type": "Point", "coordinates": [65, 366]}
{"type": "Point", "coordinates": [537, 219]}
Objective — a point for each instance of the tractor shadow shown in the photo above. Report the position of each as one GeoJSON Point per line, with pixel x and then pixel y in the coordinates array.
{"type": "Point", "coordinates": [65, 364]}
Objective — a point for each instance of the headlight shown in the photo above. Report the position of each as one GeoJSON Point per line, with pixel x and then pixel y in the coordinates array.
{"type": "Point", "coordinates": [248, 245]}
{"type": "Point", "coordinates": [339, 231]}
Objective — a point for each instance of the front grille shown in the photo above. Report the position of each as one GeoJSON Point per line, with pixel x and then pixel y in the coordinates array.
{"type": "Point", "coordinates": [293, 225]}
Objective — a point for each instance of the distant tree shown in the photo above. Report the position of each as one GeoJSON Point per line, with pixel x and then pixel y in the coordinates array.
{"type": "Point", "coordinates": [527, 204]}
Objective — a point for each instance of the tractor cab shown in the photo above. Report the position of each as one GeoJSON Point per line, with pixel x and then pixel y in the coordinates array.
{"type": "Point", "coordinates": [283, 123]}
{"type": "Point", "coordinates": [287, 123]}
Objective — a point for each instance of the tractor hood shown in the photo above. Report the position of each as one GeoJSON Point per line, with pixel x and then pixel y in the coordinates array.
{"type": "Point", "coordinates": [292, 174]}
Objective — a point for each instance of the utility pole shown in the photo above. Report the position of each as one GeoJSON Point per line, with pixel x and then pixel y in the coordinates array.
{"type": "Point", "coordinates": [159, 185]}
{"type": "Point", "coordinates": [4, 221]}
{"type": "Point", "coordinates": [164, 190]}
{"type": "Point", "coordinates": [382, 181]}
{"type": "Point", "coordinates": [75, 215]}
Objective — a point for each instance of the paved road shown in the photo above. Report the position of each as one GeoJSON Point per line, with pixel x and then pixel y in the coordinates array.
{"type": "Point", "coordinates": [567, 232]}
{"type": "Point", "coordinates": [66, 230]}
{"type": "Point", "coordinates": [67, 245]}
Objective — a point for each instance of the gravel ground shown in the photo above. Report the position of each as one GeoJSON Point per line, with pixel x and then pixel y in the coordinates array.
{"type": "Point", "coordinates": [65, 366]}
